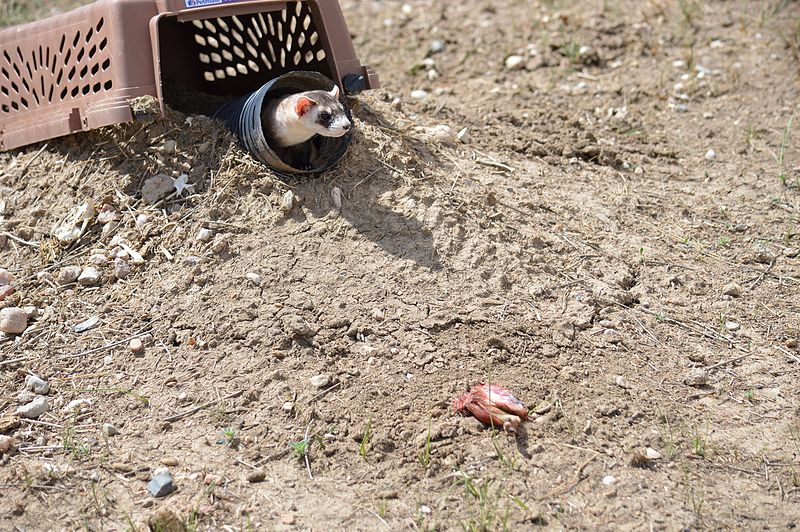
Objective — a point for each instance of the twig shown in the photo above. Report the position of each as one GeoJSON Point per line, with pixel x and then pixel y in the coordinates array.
{"type": "Point", "coordinates": [494, 164]}
{"type": "Point", "coordinates": [576, 479]}
{"type": "Point", "coordinates": [109, 346]}
{"type": "Point", "coordinates": [729, 361]}
{"type": "Point", "coordinates": [379, 518]}
{"type": "Point", "coordinates": [305, 454]}
{"type": "Point", "coordinates": [326, 390]}
{"type": "Point", "coordinates": [196, 409]}
{"type": "Point", "coordinates": [21, 241]}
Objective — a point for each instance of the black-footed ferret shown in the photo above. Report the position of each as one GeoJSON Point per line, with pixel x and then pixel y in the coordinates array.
{"type": "Point", "coordinates": [296, 118]}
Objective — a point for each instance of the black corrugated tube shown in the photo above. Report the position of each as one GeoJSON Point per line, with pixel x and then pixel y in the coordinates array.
{"type": "Point", "coordinates": [243, 117]}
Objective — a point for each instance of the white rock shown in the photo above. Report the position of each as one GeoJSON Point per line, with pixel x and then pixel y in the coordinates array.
{"type": "Point", "coordinates": [76, 405]}
{"type": "Point", "coordinates": [377, 314]}
{"type": "Point", "coordinates": [406, 9]}
{"type": "Point", "coordinates": [731, 325]}
{"type": "Point", "coordinates": [13, 320]}
{"type": "Point", "coordinates": [287, 407]}
{"type": "Point", "coordinates": [157, 187]}
{"type": "Point", "coordinates": [419, 94]}
{"type": "Point", "coordinates": [320, 381]}
{"type": "Point", "coordinates": [515, 62]}
{"type": "Point", "coordinates": [287, 201]}
{"type": "Point", "coordinates": [432, 74]}
{"type": "Point", "coordinates": [708, 115]}
{"type": "Point", "coordinates": [254, 278]}
{"type": "Point", "coordinates": [68, 274]}
{"type": "Point", "coordinates": [608, 480]}
{"type": "Point", "coordinates": [37, 385]}
{"type": "Point", "coordinates": [711, 155]}
{"type": "Point", "coordinates": [425, 509]}
{"type": "Point", "coordinates": [336, 196]}
{"type": "Point", "coordinates": [679, 63]}
{"type": "Point", "coordinates": [652, 454]}
{"type": "Point", "coordinates": [89, 276]}
{"type": "Point", "coordinates": [142, 220]}
{"type": "Point", "coordinates": [437, 46]}
{"type": "Point", "coordinates": [6, 442]}
{"type": "Point", "coordinates": [204, 235]}
{"type": "Point", "coordinates": [463, 135]}
{"type": "Point", "coordinates": [34, 409]}
{"type": "Point", "coordinates": [6, 277]}
{"type": "Point", "coordinates": [109, 429]}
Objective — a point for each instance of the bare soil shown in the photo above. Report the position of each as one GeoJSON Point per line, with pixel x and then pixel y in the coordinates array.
{"type": "Point", "coordinates": [576, 249]}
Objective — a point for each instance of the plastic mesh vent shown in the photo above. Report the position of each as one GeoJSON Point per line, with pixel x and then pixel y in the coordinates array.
{"type": "Point", "coordinates": [271, 42]}
{"type": "Point", "coordinates": [35, 75]}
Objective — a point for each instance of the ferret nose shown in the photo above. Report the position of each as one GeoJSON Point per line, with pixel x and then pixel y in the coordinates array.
{"type": "Point", "coordinates": [347, 126]}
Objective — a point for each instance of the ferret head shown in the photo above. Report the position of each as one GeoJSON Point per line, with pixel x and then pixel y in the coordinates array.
{"type": "Point", "coordinates": [322, 113]}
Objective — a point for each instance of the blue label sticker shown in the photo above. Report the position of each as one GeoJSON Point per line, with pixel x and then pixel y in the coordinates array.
{"type": "Point", "coordinates": [203, 3]}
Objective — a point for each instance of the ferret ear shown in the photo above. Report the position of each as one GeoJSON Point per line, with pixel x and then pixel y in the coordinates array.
{"type": "Point", "coordinates": [335, 91]}
{"type": "Point", "coordinates": [303, 105]}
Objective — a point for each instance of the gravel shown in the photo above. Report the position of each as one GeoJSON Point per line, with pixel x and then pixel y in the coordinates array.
{"type": "Point", "coordinates": [13, 320]}
{"type": "Point", "coordinates": [515, 62]}
{"type": "Point", "coordinates": [89, 277]}
{"type": "Point", "coordinates": [37, 385]}
{"type": "Point", "coordinates": [34, 409]}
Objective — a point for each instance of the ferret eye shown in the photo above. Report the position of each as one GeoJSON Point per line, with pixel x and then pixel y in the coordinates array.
{"type": "Point", "coordinates": [325, 116]}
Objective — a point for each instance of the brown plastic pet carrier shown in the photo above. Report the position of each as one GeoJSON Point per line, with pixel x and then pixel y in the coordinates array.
{"type": "Point", "coordinates": [80, 70]}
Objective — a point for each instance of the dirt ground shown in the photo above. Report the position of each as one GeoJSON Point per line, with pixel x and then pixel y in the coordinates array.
{"type": "Point", "coordinates": [617, 242]}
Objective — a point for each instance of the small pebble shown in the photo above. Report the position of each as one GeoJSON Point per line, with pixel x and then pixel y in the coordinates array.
{"type": "Point", "coordinates": [170, 461]}
{"type": "Point", "coordinates": [697, 377]}
{"type": "Point", "coordinates": [6, 290]}
{"type": "Point", "coordinates": [515, 62]}
{"type": "Point", "coordinates": [98, 259]}
{"type": "Point", "coordinates": [254, 278]}
{"type": "Point", "coordinates": [406, 9]}
{"type": "Point", "coordinates": [13, 320]}
{"type": "Point", "coordinates": [652, 454]}
{"type": "Point", "coordinates": [5, 443]}
{"type": "Point", "coordinates": [336, 196]}
{"type": "Point", "coordinates": [37, 385]}
{"type": "Point", "coordinates": [419, 94]}
{"type": "Point", "coordinates": [6, 277]}
{"type": "Point", "coordinates": [708, 115]}
{"type": "Point", "coordinates": [170, 146]}
{"type": "Point", "coordinates": [34, 409]}
{"type": "Point", "coordinates": [287, 519]}
{"type": "Point", "coordinates": [136, 346]}
{"type": "Point", "coordinates": [437, 46]}
{"type": "Point", "coordinates": [142, 220]}
{"type": "Point", "coordinates": [320, 381]}
{"type": "Point", "coordinates": [157, 187]}
{"type": "Point", "coordinates": [256, 475]}
{"type": "Point", "coordinates": [204, 235]}
{"type": "Point", "coordinates": [681, 108]}
{"type": "Point", "coordinates": [86, 325]}
{"type": "Point", "coordinates": [212, 478]}
{"type": "Point", "coordinates": [377, 314]}
{"type": "Point", "coordinates": [463, 135]}
{"type": "Point", "coordinates": [122, 268]}
{"type": "Point", "coordinates": [89, 277]}
{"type": "Point", "coordinates": [608, 480]}
{"type": "Point", "coordinates": [732, 289]}
{"type": "Point", "coordinates": [287, 407]}
{"type": "Point", "coordinates": [109, 430]}
{"type": "Point", "coordinates": [162, 485]}
{"type": "Point", "coordinates": [679, 63]}
{"type": "Point", "coordinates": [711, 155]}
{"type": "Point", "coordinates": [731, 326]}
{"type": "Point", "coordinates": [287, 201]}
{"type": "Point", "coordinates": [425, 509]}
{"type": "Point", "coordinates": [68, 274]}
{"type": "Point", "coordinates": [220, 245]}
